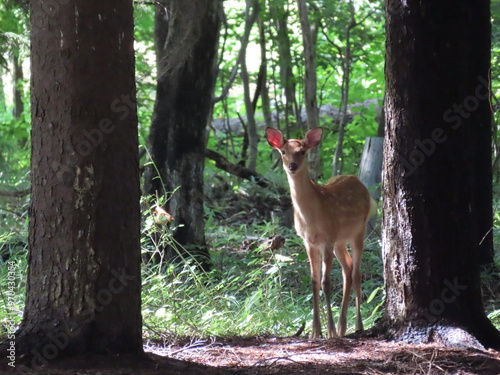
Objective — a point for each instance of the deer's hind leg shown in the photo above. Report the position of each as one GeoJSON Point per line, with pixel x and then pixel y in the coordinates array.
{"type": "Point", "coordinates": [346, 262]}
{"type": "Point", "coordinates": [327, 289]}
{"type": "Point", "coordinates": [357, 252]}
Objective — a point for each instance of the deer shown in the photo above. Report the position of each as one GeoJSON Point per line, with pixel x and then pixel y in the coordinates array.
{"type": "Point", "coordinates": [326, 217]}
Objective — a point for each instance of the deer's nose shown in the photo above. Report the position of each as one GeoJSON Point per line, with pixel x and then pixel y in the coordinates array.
{"type": "Point", "coordinates": [293, 167]}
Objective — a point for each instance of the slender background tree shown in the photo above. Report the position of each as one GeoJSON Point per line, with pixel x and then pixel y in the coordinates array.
{"type": "Point", "coordinates": [187, 35]}
{"type": "Point", "coordinates": [309, 35]}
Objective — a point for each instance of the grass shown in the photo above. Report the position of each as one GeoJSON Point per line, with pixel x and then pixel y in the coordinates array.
{"type": "Point", "coordinates": [12, 279]}
{"type": "Point", "coordinates": [246, 293]}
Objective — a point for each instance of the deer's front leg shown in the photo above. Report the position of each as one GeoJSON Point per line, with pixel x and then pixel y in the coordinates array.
{"type": "Point", "coordinates": [315, 264]}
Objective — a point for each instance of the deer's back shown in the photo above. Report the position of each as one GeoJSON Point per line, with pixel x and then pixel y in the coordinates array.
{"type": "Point", "coordinates": [337, 212]}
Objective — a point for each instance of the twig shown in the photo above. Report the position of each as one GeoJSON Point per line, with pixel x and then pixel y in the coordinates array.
{"type": "Point", "coordinates": [276, 359]}
{"type": "Point", "coordinates": [149, 2]}
{"type": "Point", "coordinates": [196, 344]}
{"type": "Point", "coordinates": [151, 329]}
{"type": "Point", "coordinates": [430, 361]}
{"type": "Point", "coordinates": [300, 330]}
{"type": "Point", "coordinates": [484, 237]}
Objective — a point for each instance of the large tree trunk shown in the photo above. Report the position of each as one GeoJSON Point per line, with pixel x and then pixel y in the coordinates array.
{"type": "Point", "coordinates": [186, 78]}
{"type": "Point", "coordinates": [437, 171]}
{"type": "Point", "coordinates": [84, 287]}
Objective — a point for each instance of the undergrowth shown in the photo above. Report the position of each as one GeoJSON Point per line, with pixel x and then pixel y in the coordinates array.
{"type": "Point", "coordinates": [252, 288]}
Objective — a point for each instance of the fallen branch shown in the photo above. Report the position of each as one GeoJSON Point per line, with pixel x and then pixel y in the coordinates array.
{"type": "Point", "coordinates": [18, 214]}
{"type": "Point", "coordinates": [15, 194]}
{"type": "Point", "coordinates": [236, 169]}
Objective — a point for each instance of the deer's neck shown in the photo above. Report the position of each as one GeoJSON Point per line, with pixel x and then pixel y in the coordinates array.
{"type": "Point", "coordinates": [302, 189]}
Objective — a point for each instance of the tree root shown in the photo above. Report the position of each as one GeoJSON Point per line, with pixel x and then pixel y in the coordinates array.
{"type": "Point", "coordinates": [442, 333]}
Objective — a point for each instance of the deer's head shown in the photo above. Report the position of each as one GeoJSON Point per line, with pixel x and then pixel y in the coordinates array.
{"type": "Point", "coordinates": [293, 151]}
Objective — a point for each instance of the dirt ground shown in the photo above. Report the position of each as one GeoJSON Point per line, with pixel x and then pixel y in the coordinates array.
{"type": "Point", "coordinates": [286, 356]}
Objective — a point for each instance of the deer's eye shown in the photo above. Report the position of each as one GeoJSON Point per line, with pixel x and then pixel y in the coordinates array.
{"type": "Point", "coordinates": [282, 152]}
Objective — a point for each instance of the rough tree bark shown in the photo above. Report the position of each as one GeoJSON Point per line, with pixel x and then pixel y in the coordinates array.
{"type": "Point", "coordinates": [84, 288]}
{"type": "Point", "coordinates": [185, 84]}
{"type": "Point", "coordinates": [437, 171]}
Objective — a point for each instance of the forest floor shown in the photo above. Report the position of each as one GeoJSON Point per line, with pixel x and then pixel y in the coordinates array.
{"type": "Point", "coordinates": [286, 356]}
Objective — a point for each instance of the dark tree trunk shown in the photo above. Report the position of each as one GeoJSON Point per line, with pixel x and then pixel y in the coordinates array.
{"type": "Point", "coordinates": [84, 287]}
{"type": "Point", "coordinates": [437, 171]}
{"type": "Point", "coordinates": [186, 78]}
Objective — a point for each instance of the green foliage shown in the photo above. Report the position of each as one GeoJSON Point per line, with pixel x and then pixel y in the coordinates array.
{"type": "Point", "coordinates": [145, 66]}
{"type": "Point", "coordinates": [331, 20]}
{"type": "Point", "coordinates": [15, 144]}
{"type": "Point", "coordinates": [14, 26]}
{"type": "Point", "coordinates": [14, 155]}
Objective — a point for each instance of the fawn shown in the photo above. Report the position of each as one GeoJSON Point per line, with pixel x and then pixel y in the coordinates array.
{"type": "Point", "coordinates": [326, 218]}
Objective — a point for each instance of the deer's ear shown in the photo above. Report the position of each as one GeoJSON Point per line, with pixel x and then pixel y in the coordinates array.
{"type": "Point", "coordinates": [275, 138]}
{"type": "Point", "coordinates": [313, 137]}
